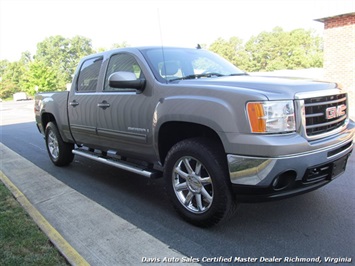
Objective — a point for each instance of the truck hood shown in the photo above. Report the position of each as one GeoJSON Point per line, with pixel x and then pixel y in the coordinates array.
{"type": "Point", "coordinates": [270, 87]}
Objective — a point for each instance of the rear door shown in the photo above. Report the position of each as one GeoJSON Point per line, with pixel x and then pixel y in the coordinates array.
{"type": "Point", "coordinates": [82, 106]}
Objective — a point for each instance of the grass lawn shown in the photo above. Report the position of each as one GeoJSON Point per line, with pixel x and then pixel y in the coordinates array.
{"type": "Point", "coordinates": [21, 241]}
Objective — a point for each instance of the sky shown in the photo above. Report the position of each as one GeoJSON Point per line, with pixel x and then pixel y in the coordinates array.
{"type": "Point", "coordinates": [24, 23]}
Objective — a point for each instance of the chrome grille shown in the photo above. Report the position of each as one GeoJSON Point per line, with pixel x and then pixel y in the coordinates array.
{"type": "Point", "coordinates": [326, 113]}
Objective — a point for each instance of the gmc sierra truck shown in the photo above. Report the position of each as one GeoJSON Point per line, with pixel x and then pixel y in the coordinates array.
{"type": "Point", "coordinates": [217, 135]}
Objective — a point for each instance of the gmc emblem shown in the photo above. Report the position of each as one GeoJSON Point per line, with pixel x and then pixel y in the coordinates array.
{"type": "Point", "coordinates": [333, 112]}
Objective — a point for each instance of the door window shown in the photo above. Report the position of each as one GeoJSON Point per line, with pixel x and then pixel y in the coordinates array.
{"type": "Point", "coordinates": [125, 63]}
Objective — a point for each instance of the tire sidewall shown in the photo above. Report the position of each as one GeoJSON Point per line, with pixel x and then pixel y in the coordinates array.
{"type": "Point", "coordinates": [65, 155]}
{"type": "Point", "coordinates": [212, 160]}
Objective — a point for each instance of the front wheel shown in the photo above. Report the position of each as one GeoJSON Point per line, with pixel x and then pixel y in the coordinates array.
{"type": "Point", "coordinates": [59, 152]}
{"type": "Point", "coordinates": [197, 182]}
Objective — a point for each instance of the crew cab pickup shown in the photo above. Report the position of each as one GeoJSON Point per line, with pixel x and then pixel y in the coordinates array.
{"type": "Point", "coordinates": [217, 135]}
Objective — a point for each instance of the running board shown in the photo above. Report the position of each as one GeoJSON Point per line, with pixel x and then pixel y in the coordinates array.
{"type": "Point", "coordinates": [127, 166]}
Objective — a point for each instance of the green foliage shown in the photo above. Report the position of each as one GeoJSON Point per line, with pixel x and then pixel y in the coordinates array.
{"type": "Point", "coordinates": [7, 89]}
{"type": "Point", "coordinates": [232, 50]}
{"type": "Point", "coordinates": [50, 69]}
{"type": "Point", "coordinates": [120, 45]}
{"type": "Point", "coordinates": [63, 55]}
{"type": "Point", "coordinates": [41, 77]}
{"type": "Point", "coordinates": [273, 50]}
{"type": "Point", "coordinates": [114, 46]}
{"type": "Point", "coordinates": [3, 66]}
{"type": "Point", "coordinates": [278, 49]}
{"type": "Point", "coordinates": [11, 75]}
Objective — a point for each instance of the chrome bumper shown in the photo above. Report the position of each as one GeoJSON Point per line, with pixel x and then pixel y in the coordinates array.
{"type": "Point", "coordinates": [263, 172]}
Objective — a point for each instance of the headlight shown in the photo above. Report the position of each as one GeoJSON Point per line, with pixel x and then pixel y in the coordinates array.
{"type": "Point", "coordinates": [271, 116]}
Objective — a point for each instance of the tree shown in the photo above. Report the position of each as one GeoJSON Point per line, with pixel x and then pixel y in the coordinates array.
{"type": "Point", "coordinates": [113, 46]}
{"type": "Point", "coordinates": [63, 55]}
{"type": "Point", "coordinates": [40, 78]}
{"type": "Point", "coordinates": [232, 50]}
{"type": "Point", "coordinates": [120, 45]}
{"type": "Point", "coordinates": [11, 74]}
{"type": "Point", "coordinates": [7, 88]}
{"type": "Point", "coordinates": [273, 50]}
{"type": "Point", "coordinates": [3, 66]}
{"type": "Point", "coordinates": [26, 58]}
{"type": "Point", "coordinates": [284, 50]}
{"type": "Point", "coordinates": [78, 47]}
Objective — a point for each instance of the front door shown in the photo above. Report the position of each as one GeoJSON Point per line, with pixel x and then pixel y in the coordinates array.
{"type": "Point", "coordinates": [123, 118]}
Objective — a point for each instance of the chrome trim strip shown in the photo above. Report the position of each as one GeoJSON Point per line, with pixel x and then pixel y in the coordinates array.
{"type": "Point", "coordinates": [327, 124]}
{"type": "Point", "coordinates": [122, 135]}
{"type": "Point", "coordinates": [315, 115]}
{"type": "Point", "coordinates": [330, 133]}
{"type": "Point", "coordinates": [325, 103]}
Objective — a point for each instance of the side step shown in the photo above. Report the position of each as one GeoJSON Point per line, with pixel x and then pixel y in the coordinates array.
{"type": "Point", "coordinates": [124, 165]}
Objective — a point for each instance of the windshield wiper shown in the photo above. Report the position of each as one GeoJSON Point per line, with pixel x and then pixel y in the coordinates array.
{"type": "Point", "coordinates": [202, 75]}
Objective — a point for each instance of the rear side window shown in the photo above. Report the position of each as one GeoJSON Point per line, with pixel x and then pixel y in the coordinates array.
{"type": "Point", "coordinates": [88, 75]}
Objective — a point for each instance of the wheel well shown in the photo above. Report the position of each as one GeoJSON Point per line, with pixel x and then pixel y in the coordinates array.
{"type": "Point", "coordinates": [46, 118]}
{"type": "Point", "coordinates": [171, 133]}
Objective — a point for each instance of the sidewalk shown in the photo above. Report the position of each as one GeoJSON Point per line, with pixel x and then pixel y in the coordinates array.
{"type": "Point", "coordinates": [82, 230]}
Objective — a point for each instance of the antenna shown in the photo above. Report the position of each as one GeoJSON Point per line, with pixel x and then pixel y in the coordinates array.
{"type": "Point", "coordinates": [162, 43]}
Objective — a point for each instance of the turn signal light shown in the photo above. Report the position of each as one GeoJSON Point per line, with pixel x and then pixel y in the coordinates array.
{"type": "Point", "coordinates": [256, 117]}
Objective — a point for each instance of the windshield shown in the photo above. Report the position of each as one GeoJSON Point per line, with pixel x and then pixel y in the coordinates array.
{"type": "Point", "coordinates": [172, 64]}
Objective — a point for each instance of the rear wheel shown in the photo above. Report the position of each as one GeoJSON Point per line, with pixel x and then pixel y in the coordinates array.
{"type": "Point", "coordinates": [59, 152]}
{"type": "Point", "coordinates": [197, 182]}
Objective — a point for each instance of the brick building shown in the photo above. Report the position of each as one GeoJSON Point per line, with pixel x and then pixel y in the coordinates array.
{"type": "Point", "coordinates": [339, 52]}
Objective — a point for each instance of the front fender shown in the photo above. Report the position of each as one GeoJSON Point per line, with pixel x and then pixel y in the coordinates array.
{"type": "Point", "coordinates": [211, 112]}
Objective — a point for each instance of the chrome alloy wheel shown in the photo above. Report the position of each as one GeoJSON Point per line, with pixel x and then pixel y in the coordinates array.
{"type": "Point", "coordinates": [192, 185]}
{"type": "Point", "coordinates": [53, 146]}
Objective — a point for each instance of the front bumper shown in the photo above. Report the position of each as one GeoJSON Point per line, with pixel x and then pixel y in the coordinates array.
{"type": "Point", "coordinates": [265, 178]}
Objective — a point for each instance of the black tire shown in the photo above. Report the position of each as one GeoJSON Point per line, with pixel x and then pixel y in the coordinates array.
{"type": "Point", "coordinates": [59, 152]}
{"type": "Point", "coordinates": [197, 182]}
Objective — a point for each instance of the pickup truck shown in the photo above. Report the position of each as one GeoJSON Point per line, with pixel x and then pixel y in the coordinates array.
{"type": "Point", "coordinates": [217, 135]}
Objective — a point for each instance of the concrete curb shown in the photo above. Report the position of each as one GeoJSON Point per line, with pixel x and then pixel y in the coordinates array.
{"type": "Point", "coordinates": [72, 256]}
{"type": "Point", "coordinates": [85, 232]}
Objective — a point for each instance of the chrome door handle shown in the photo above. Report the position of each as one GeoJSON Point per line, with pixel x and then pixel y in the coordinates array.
{"type": "Point", "coordinates": [74, 103]}
{"type": "Point", "coordinates": [103, 105]}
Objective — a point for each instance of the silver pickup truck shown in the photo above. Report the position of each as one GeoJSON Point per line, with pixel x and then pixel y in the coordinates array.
{"type": "Point", "coordinates": [216, 134]}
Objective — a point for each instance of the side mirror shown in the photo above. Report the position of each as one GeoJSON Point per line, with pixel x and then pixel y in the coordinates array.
{"type": "Point", "coordinates": [126, 80]}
